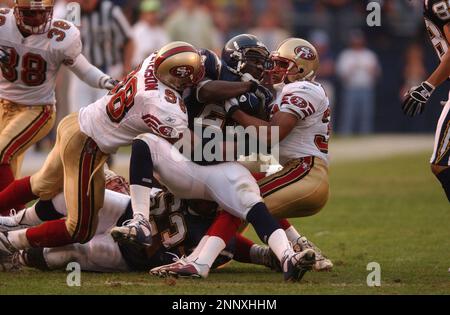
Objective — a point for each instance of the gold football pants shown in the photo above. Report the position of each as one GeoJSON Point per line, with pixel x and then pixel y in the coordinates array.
{"type": "Point", "coordinates": [20, 127]}
{"type": "Point", "coordinates": [75, 165]}
{"type": "Point", "coordinates": [300, 189]}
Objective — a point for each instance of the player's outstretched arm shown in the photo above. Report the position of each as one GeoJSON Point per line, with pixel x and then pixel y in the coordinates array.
{"type": "Point", "coordinates": [90, 74]}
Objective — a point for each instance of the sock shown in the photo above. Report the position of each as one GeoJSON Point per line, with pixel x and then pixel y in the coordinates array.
{"type": "Point", "coordinates": [18, 239]}
{"type": "Point", "coordinates": [224, 226]}
{"type": "Point", "coordinates": [6, 176]}
{"type": "Point", "coordinates": [141, 177]}
{"type": "Point", "coordinates": [284, 223]}
{"type": "Point", "coordinates": [46, 211]}
{"type": "Point", "coordinates": [263, 222]}
{"type": "Point", "coordinates": [193, 256]}
{"type": "Point", "coordinates": [49, 234]}
{"type": "Point", "coordinates": [292, 234]}
{"type": "Point", "coordinates": [279, 244]}
{"type": "Point", "coordinates": [242, 253]}
{"type": "Point", "coordinates": [444, 178]}
{"type": "Point", "coordinates": [210, 251]}
{"type": "Point", "coordinates": [19, 191]}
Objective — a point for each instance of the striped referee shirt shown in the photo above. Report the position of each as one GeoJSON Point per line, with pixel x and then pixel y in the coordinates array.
{"type": "Point", "coordinates": [104, 33]}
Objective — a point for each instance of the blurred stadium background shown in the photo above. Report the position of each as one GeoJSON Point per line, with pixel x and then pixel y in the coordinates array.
{"type": "Point", "coordinates": [402, 49]}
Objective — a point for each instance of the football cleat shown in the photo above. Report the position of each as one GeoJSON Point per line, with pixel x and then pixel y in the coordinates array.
{"type": "Point", "coordinates": [137, 231]}
{"type": "Point", "coordinates": [295, 265]}
{"type": "Point", "coordinates": [13, 222]}
{"type": "Point", "coordinates": [161, 271]}
{"type": "Point", "coordinates": [267, 258]}
{"type": "Point", "coordinates": [6, 247]}
{"type": "Point", "coordinates": [322, 262]}
{"type": "Point", "coordinates": [10, 262]}
{"type": "Point", "coordinates": [191, 270]}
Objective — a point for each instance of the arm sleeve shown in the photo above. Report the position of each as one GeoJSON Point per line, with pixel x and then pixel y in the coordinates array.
{"type": "Point", "coordinates": [88, 72]}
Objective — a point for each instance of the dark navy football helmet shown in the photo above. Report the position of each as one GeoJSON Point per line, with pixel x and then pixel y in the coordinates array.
{"type": "Point", "coordinates": [246, 53]}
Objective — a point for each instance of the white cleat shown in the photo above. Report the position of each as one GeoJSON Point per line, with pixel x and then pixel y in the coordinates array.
{"type": "Point", "coordinates": [322, 262]}
{"type": "Point", "coordinates": [13, 222]}
{"type": "Point", "coordinates": [161, 271]}
{"type": "Point", "coordinates": [191, 270]}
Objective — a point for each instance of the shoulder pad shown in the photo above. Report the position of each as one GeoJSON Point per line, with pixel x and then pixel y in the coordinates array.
{"type": "Point", "coordinates": [212, 64]}
{"type": "Point", "coordinates": [65, 38]}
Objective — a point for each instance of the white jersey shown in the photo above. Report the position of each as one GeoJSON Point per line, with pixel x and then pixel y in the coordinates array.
{"type": "Point", "coordinates": [309, 103]}
{"type": "Point", "coordinates": [29, 78]}
{"type": "Point", "coordinates": [139, 104]}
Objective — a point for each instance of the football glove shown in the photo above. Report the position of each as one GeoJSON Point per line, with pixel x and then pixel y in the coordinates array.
{"type": "Point", "coordinates": [231, 106]}
{"type": "Point", "coordinates": [260, 91]}
{"type": "Point", "coordinates": [416, 98]}
{"type": "Point", "coordinates": [108, 83]}
{"type": "Point", "coordinates": [4, 55]}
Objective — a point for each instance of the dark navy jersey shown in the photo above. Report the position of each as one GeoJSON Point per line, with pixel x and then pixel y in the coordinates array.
{"type": "Point", "coordinates": [211, 114]}
{"type": "Point", "coordinates": [437, 14]}
{"type": "Point", "coordinates": [177, 230]}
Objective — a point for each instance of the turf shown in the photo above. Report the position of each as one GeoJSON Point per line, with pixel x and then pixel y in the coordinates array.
{"type": "Point", "coordinates": [389, 211]}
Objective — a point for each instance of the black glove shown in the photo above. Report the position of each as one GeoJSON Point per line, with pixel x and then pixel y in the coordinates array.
{"type": "Point", "coordinates": [4, 55]}
{"type": "Point", "coordinates": [231, 106]}
{"type": "Point", "coordinates": [250, 103]}
{"type": "Point", "coordinates": [416, 98]}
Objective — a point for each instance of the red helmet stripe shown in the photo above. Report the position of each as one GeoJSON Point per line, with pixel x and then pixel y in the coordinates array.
{"type": "Point", "coordinates": [172, 52]}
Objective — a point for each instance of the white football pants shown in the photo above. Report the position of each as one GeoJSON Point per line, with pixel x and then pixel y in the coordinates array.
{"type": "Point", "coordinates": [229, 184]}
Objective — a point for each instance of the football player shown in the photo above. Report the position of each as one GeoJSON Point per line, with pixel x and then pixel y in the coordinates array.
{"type": "Point", "coordinates": [147, 100]}
{"type": "Point", "coordinates": [242, 56]}
{"type": "Point", "coordinates": [229, 184]}
{"type": "Point", "coordinates": [301, 113]}
{"type": "Point", "coordinates": [177, 228]}
{"type": "Point", "coordinates": [33, 46]}
{"type": "Point", "coordinates": [437, 21]}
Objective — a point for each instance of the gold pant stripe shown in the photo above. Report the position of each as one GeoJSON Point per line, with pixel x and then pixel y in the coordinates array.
{"type": "Point", "coordinates": [74, 166]}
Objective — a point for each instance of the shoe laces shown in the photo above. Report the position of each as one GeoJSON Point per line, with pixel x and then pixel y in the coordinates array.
{"type": "Point", "coordinates": [177, 258]}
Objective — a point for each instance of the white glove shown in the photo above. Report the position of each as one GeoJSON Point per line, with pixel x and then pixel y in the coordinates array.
{"type": "Point", "coordinates": [108, 83]}
{"type": "Point", "coordinates": [247, 77]}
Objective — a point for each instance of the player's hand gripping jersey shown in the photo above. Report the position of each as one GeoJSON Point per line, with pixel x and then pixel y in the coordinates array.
{"type": "Point", "coordinates": [28, 78]}
{"type": "Point", "coordinates": [139, 104]}
{"type": "Point", "coordinates": [308, 102]}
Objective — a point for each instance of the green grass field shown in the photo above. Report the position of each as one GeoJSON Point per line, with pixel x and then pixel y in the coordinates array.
{"type": "Point", "coordinates": [389, 211]}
